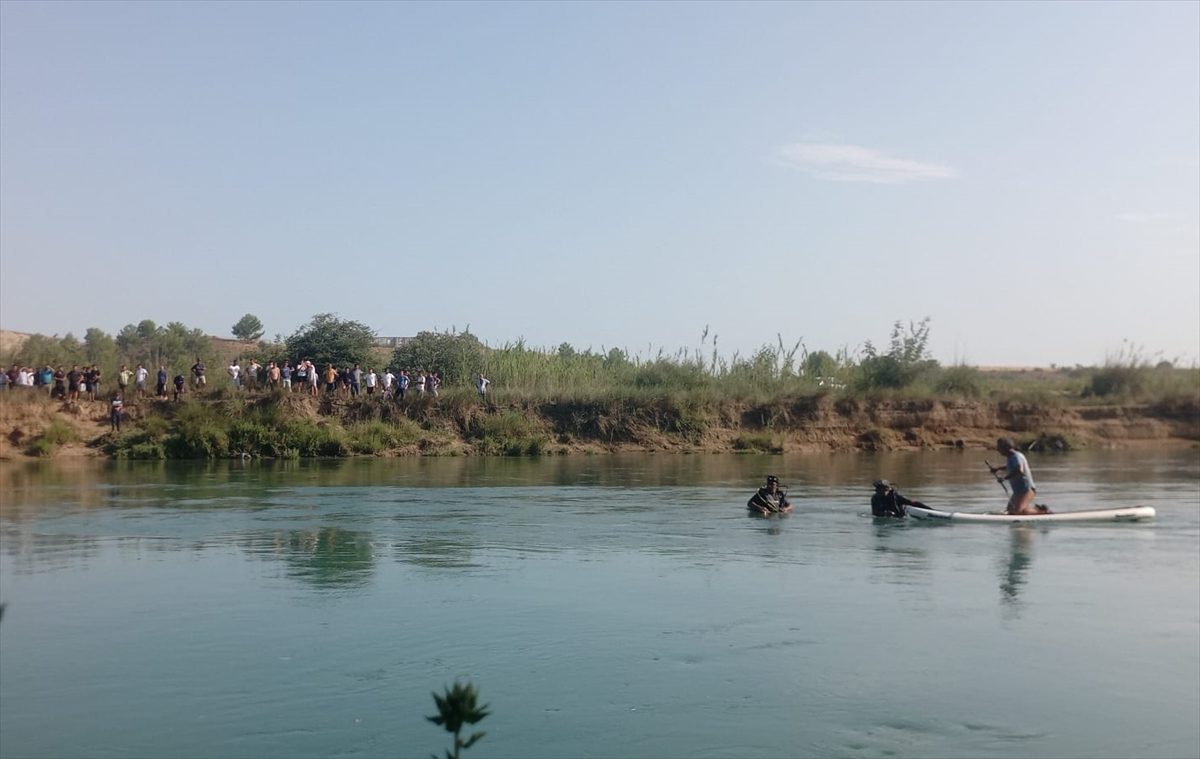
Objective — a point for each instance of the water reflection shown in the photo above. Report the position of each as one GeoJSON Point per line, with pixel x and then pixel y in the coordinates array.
{"type": "Point", "coordinates": [893, 558]}
{"type": "Point", "coordinates": [1016, 565]}
{"type": "Point", "coordinates": [32, 552]}
{"type": "Point", "coordinates": [326, 557]}
{"type": "Point", "coordinates": [438, 552]}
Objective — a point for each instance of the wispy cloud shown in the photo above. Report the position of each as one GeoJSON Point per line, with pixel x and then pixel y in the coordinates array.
{"type": "Point", "coordinates": [853, 163]}
{"type": "Point", "coordinates": [1142, 217]}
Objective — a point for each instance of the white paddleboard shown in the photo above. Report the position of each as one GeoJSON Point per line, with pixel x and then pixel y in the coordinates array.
{"type": "Point", "coordinates": [1130, 514]}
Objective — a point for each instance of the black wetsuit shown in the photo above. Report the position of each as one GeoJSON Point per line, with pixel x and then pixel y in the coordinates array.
{"type": "Point", "coordinates": [764, 498]}
{"type": "Point", "coordinates": [891, 504]}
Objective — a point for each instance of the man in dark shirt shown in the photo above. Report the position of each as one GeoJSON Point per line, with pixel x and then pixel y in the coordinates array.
{"type": "Point", "coordinates": [887, 502]}
{"type": "Point", "coordinates": [769, 499]}
{"type": "Point", "coordinates": [198, 373]}
{"type": "Point", "coordinates": [74, 378]}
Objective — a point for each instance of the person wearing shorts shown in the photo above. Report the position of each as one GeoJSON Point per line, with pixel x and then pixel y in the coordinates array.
{"type": "Point", "coordinates": [139, 380]}
{"type": "Point", "coordinates": [198, 372]}
{"type": "Point", "coordinates": [1019, 477]}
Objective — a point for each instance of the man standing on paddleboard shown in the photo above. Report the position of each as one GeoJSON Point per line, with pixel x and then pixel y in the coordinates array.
{"type": "Point", "coordinates": [1016, 472]}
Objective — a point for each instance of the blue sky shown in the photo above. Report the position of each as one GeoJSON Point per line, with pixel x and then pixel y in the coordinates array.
{"type": "Point", "coordinates": [611, 174]}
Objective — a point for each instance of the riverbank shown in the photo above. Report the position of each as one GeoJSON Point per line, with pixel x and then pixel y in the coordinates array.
{"type": "Point", "coordinates": [223, 424]}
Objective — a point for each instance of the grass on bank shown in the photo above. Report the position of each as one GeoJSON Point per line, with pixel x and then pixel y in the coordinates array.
{"type": "Point", "coordinates": [57, 434]}
{"type": "Point", "coordinates": [543, 398]}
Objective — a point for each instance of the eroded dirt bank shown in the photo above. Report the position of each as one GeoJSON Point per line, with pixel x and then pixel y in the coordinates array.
{"type": "Point", "coordinates": [465, 427]}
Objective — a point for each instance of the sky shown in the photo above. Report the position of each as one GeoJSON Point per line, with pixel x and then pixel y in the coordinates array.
{"type": "Point", "coordinates": [1026, 175]}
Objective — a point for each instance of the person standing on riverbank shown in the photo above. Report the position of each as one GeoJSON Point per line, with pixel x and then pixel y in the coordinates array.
{"type": "Point", "coordinates": [116, 407]}
{"type": "Point", "coordinates": [198, 372]}
{"type": "Point", "coordinates": [161, 387]}
{"type": "Point", "coordinates": [74, 377]}
{"type": "Point", "coordinates": [93, 383]}
{"type": "Point", "coordinates": [60, 384]}
{"type": "Point", "coordinates": [139, 380]}
{"type": "Point", "coordinates": [481, 384]}
{"type": "Point", "coordinates": [1017, 474]}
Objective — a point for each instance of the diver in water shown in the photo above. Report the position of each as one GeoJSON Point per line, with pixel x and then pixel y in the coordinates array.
{"type": "Point", "coordinates": [769, 499]}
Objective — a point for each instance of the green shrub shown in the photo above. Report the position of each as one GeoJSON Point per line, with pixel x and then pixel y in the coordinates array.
{"type": "Point", "coordinates": [308, 438]}
{"type": "Point", "coordinates": [965, 381]}
{"type": "Point", "coordinates": [255, 438]}
{"type": "Point", "coordinates": [373, 437]}
{"type": "Point", "coordinates": [1123, 381]}
{"type": "Point", "coordinates": [510, 434]}
{"type": "Point", "coordinates": [59, 432]}
{"type": "Point", "coordinates": [906, 359]}
{"type": "Point", "coordinates": [665, 374]}
{"type": "Point", "coordinates": [151, 451]}
{"type": "Point", "coordinates": [757, 443]}
{"type": "Point", "coordinates": [41, 447]}
{"type": "Point", "coordinates": [199, 440]}
{"type": "Point", "coordinates": [46, 444]}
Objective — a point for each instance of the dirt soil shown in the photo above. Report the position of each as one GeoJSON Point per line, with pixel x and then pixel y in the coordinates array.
{"type": "Point", "coordinates": [812, 424]}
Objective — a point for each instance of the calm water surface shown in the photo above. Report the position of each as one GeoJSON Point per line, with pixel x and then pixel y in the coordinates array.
{"type": "Point", "coordinates": [605, 606]}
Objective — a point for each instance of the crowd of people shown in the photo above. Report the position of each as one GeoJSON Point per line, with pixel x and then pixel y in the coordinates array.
{"type": "Point", "coordinates": [345, 382]}
{"type": "Point", "coordinates": [304, 377]}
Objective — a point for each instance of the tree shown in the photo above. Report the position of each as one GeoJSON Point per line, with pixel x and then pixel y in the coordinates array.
{"type": "Point", "coordinates": [330, 340]}
{"type": "Point", "coordinates": [147, 329]}
{"type": "Point", "coordinates": [457, 357]}
{"type": "Point", "coordinates": [907, 358]}
{"type": "Point", "coordinates": [99, 347]}
{"type": "Point", "coordinates": [248, 328]}
{"type": "Point", "coordinates": [40, 350]}
{"type": "Point", "coordinates": [819, 364]}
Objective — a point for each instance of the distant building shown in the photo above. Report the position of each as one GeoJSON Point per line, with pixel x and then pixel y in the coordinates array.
{"type": "Point", "coordinates": [391, 342]}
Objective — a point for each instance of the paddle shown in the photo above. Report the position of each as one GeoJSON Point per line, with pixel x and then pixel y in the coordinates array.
{"type": "Point", "coordinates": [999, 479]}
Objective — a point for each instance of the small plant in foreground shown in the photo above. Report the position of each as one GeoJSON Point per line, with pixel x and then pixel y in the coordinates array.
{"type": "Point", "coordinates": [455, 708]}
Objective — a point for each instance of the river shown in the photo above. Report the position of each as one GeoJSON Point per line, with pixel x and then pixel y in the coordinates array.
{"type": "Point", "coordinates": [605, 606]}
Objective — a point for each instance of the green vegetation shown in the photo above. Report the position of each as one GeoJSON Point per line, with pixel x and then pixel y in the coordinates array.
{"type": "Point", "coordinates": [456, 356]}
{"type": "Point", "coordinates": [510, 433]}
{"type": "Point", "coordinates": [248, 328]}
{"type": "Point", "coordinates": [547, 400]}
{"type": "Point", "coordinates": [457, 707]}
{"type": "Point", "coordinates": [56, 434]}
{"type": "Point", "coordinates": [757, 443]}
{"type": "Point", "coordinates": [905, 361]}
{"type": "Point", "coordinates": [960, 381]}
{"type": "Point", "coordinates": [330, 340]}
{"type": "Point", "coordinates": [174, 346]}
